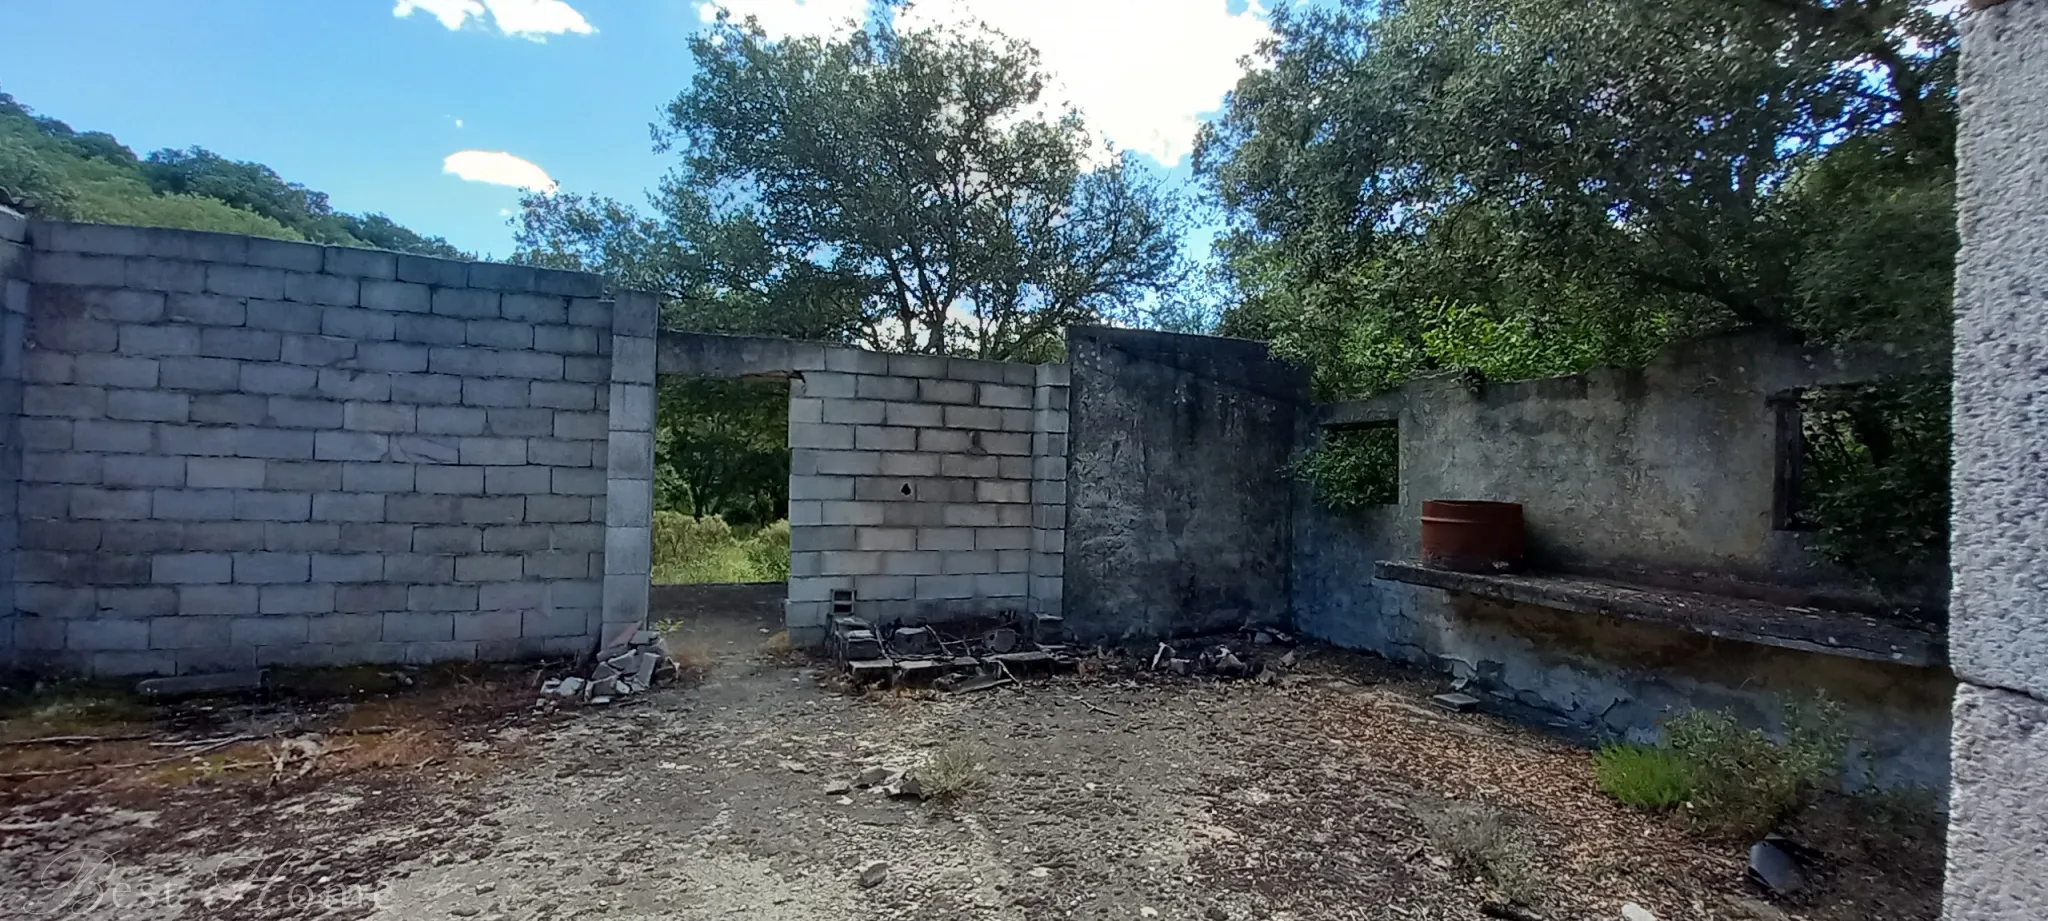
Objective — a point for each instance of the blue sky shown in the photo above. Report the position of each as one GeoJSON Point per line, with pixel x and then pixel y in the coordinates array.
{"type": "Point", "coordinates": [367, 99]}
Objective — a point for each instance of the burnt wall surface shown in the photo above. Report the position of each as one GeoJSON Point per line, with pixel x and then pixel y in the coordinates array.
{"type": "Point", "coordinates": [1664, 471]}
{"type": "Point", "coordinates": [1177, 522]}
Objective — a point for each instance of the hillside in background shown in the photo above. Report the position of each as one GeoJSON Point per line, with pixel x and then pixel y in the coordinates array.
{"type": "Point", "coordinates": [63, 173]}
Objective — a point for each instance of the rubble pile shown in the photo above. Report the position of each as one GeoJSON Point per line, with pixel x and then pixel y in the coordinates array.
{"type": "Point", "coordinates": [900, 654]}
{"type": "Point", "coordinates": [1240, 656]}
{"type": "Point", "coordinates": [621, 670]}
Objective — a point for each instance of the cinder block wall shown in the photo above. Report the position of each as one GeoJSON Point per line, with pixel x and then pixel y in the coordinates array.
{"type": "Point", "coordinates": [932, 488]}
{"type": "Point", "coordinates": [242, 452]}
{"type": "Point", "coordinates": [14, 267]}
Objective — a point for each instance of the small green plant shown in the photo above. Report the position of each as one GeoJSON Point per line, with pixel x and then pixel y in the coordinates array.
{"type": "Point", "coordinates": [1354, 467]}
{"type": "Point", "coordinates": [1745, 783]}
{"type": "Point", "coordinates": [1644, 776]}
{"type": "Point", "coordinates": [956, 769]}
{"type": "Point", "coordinates": [1481, 839]}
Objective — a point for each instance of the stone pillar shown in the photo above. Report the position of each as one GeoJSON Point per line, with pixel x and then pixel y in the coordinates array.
{"type": "Point", "coordinates": [629, 469]}
{"type": "Point", "coordinates": [1998, 822]}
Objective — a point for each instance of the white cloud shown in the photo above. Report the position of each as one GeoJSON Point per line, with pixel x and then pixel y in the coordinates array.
{"type": "Point", "coordinates": [1141, 71]}
{"type": "Point", "coordinates": [783, 18]}
{"type": "Point", "coordinates": [498, 168]}
{"type": "Point", "coordinates": [529, 19]}
{"type": "Point", "coordinates": [458, 123]}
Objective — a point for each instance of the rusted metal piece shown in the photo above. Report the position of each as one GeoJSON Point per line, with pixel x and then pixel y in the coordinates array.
{"type": "Point", "coordinates": [1472, 536]}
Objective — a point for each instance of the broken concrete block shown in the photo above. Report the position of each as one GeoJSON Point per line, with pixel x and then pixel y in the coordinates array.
{"type": "Point", "coordinates": [905, 785]}
{"type": "Point", "coordinates": [563, 687]}
{"type": "Point", "coordinates": [1456, 701]}
{"type": "Point", "coordinates": [914, 641]}
{"type": "Point", "coordinates": [643, 671]}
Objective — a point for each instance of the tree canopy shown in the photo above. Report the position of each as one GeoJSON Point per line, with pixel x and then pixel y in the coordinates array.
{"type": "Point", "coordinates": [91, 176]}
{"type": "Point", "coordinates": [907, 191]}
{"type": "Point", "coordinates": [1535, 186]}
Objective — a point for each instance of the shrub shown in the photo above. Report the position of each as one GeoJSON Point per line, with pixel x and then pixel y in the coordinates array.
{"type": "Point", "coordinates": [768, 552]}
{"type": "Point", "coordinates": [1644, 776]}
{"type": "Point", "coordinates": [1479, 838]}
{"type": "Point", "coordinates": [953, 770]}
{"type": "Point", "coordinates": [698, 550]}
{"type": "Point", "coordinates": [1744, 783]}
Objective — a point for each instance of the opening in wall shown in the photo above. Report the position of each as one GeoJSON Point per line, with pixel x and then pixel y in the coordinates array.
{"type": "Point", "coordinates": [1355, 466]}
{"type": "Point", "coordinates": [721, 481]}
{"type": "Point", "coordinates": [1864, 470]}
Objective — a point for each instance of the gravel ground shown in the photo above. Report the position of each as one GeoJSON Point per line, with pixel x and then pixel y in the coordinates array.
{"type": "Point", "coordinates": [1335, 793]}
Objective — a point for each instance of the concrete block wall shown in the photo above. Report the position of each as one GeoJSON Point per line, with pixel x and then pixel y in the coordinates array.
{"type": "Point", "coordinates": [14, 295]}
{"type": "Point", "coordinates": [1050, 407]}
{"type": "Point", "coordinates": [242, 452]}
{"type": "Point", "coordinates": [920, 484]}
{"type": "Point", "coordinates": [1998, 635]}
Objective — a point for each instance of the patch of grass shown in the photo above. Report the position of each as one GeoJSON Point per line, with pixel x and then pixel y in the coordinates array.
{"type": "Point", "coordinates": [1644, 776]}
{"type": "Point", "coordinates": [1730, 778]}
{"type": "Point", "coordinates": [956, 769]}
{"type": "Point", "coordinates": [1481, 839]}
{"type": "Point", "coordinates": [69, 707]}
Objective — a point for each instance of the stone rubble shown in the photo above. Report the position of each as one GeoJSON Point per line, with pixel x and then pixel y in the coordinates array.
{"type": "Point", "coordinates": [633, 667]}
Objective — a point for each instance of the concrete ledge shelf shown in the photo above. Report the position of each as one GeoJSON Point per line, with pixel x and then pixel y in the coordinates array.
{"type": "Point", "coordinates": [1742, 620]}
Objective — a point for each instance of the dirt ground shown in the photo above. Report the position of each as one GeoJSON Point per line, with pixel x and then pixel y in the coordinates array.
{"type": "Point", "coordinates": [1107, 795]}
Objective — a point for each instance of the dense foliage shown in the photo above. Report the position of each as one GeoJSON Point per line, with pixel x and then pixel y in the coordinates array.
{"type": "Point", "coordinates": [692, 550]}
{"type": "Point", "coordinates": [1551, 184]}
{"type": "Point", "coordinates": [910, 192]}
{"type": "Point", "coordinates": [1874, 479]}
{"type": "Point", "coordinates": [90, 176]}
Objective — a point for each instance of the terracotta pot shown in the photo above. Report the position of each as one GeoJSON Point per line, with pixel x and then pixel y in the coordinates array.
{"type": "Point", "coordinates": [1472, 536]}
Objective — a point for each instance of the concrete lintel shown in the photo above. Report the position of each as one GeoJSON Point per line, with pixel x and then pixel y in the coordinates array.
{"type": "Point", "coordinates": [714, 355]}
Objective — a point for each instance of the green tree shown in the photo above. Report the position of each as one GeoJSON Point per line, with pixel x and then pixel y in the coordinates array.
{"type": "Point", "coordinates": [1609, 173]}
{"type": "Point", "coordinates": [905, 191]}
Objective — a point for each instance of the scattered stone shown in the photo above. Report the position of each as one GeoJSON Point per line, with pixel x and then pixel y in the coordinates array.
{"type": "Point", "coordinates": [1215, 913]}
{"type": "Point", "coordinates": [796, 767]}
{"type": "Point", "coordinates": [1040, 872]}
{"type": "Point", "coordinates": [905, 785]}
{"type": "Point", "coordinates": [837, 787]}
{"type": "Point", "coordinates": [486, 888]}
{"type": "Point", "coordinates": [873, 874]}
{"type": "Point", "coordinates": [1289, 660]}
{"type": "Point", "coordinates": [1456, 702]}
{"type": "Point", "coordinates": [1148, 912]}
{"type": "Point", "coordinates": [1770, 865]}
{"type": "Point", "coordinates": [563, 687]}
{"type": "Point", "coordinates": [876, 776]}
{"type": "Point", "coordinates": [1630, 911]}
